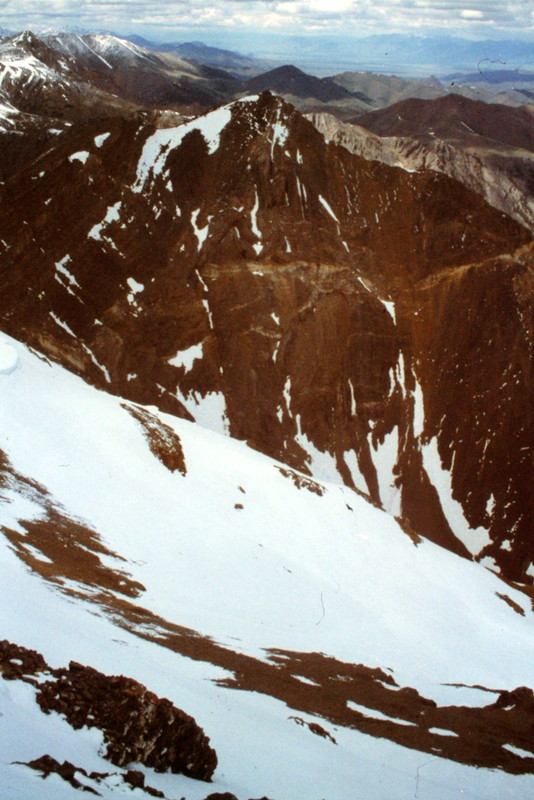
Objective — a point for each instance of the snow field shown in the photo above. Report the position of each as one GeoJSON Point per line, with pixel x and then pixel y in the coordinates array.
{"type": "Point", "coordinates": [291, 570]}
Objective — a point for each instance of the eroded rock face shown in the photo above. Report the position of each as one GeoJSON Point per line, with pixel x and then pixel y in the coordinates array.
{"type": "Point", "coordinates": [137, 725]}
{"type": "Point", "coordinates": [241, 272]}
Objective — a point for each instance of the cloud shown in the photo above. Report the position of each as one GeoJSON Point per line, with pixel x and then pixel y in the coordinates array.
{"type": "Point", "coordinates": [292, 16]}
{"type": "Point", "coordinates": [471, 13]}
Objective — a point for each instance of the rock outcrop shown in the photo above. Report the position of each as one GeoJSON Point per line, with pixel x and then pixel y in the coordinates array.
{"type": "Point", "coordinates": [138, 726]}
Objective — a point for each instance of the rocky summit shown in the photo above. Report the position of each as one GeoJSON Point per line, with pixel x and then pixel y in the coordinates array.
{"type": "Point", "coordinates": [266, 441]}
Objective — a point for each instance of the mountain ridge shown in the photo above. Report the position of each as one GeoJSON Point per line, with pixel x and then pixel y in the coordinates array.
{"type": "Point", "coordinates": [124, 304]}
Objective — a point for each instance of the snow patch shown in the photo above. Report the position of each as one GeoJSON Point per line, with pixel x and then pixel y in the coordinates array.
{"type": "Point", "coordinates": [254, 225]}
{"type": "Point", "coordinates": [518, 751]}
{"type": "Point", "coordinates": [442, 732]}
{"type": "Point", "coordinates": [475, 539]}
{"type": "Point", "coordinates": [287, 395]}
{"type": "Point", "coordinates": [112, 215]}
{"type": "Point", "coordinates": [62, 324]}
{"type": "Point", "coordinates": [389, 305]}
{"type": "Point", "coordinates": [400, 372]}
{"type": "Point", "coordinates": [208, 411]}
{"type": "Point", "coordinates": [82, 156]}
{"type": "Point", "coordinates": [186, 358]}
{"type": "Point", "coordinates": [384, 456]}
{"type": "Point", "coordinates": [200, 233]}
{"type": "Point", "coordinates": [62, 269]}
{"type": "Point", "coordinates": [158, 146]}
{"type": "Point", "coordinates": [99, 140]}
{"type": "Point", "coordinates": [418, 410]}
{"type": "Point", "coordinates": [280, 133]}
{"type": "Point", "coordinates": [326, 205]}
{"type": "Point", "coordinates": [322, 465]}
{"type": "Point", "coordinates": [351, 460]}
{"type": "Point", "coordinates": [352, 400]}
{"type": "Point", "coordinates": [135, 289]}
{"type": "Point", "coordinates": [375, 714]}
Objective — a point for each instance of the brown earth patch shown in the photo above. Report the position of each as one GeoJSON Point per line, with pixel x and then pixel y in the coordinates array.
{"type": "Point", "coordinates": [315, 728]}
{"type": "Point", "coordinates": [407, 528]}
{"type": "Point", "coordinates": [516, 607]}
{"type": "Point", "coordinates": [48, 765]}
{"type": "Point", "coordinates": [163, 442]}
{"type": "Point", "coordinates": [477, 735]}
{"type": "Point", "coordinates": [526, 588]}
{"type": "Point", "coordinates": [57, 546]}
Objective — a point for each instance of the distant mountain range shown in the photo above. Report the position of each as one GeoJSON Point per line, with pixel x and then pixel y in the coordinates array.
{"type": "Point", "coordinates": [115, 77]}
{"type": "Point", "coordinates": [229, 60]}
{"type": "Point", "coordinates": [395, 54]}
{"type": "Point", "coordinates": [400, 54]}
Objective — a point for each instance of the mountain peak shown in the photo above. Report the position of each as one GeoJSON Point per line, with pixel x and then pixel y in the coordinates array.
{"type": "Point", "coordinates": [290, 80]}
{"type": "Point", "coordinates": [26, 39]}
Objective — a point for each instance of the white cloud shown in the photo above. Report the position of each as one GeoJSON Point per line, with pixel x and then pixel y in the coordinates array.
{"type": "Point", "coordinates": [471, 13]}
{"type": "Point", "coordinates": [296, 16]}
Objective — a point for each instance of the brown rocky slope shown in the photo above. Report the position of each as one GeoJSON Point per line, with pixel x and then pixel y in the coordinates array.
{"type": "Point", "coordinates": [494, 168]}
{"type": "Point", "coordinates": [344, 316]}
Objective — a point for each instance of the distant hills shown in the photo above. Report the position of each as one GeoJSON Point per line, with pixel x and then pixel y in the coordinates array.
{"type": "Point", "coordinates": [229, 60]}
{"type": "Point", "coordinates": [394, 54]}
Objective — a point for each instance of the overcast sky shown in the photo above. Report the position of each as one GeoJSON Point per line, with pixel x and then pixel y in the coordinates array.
{"type": "Point", "coordinates": [183, 19]}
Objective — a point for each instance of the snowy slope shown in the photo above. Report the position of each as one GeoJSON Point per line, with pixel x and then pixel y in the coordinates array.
{"type": "Point", "coordinates": [236, 551]}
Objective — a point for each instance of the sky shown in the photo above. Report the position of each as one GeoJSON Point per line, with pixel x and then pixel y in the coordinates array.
{"type": "Point", "coordinates": [162, 20]}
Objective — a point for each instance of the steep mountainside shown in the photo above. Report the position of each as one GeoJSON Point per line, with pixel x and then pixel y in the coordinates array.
{"type": "Point", "coordinates": [504, 176]}
{"type": "Point", "coordinates": [229, 618]}
{"type": "Point", "coordinates": [353, 320]}
{"type": "Point", "coordinates": [490, 148]}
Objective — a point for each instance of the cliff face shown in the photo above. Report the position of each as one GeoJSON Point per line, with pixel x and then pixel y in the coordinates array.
{"type": "Point", "coordinates": [358, 322]}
